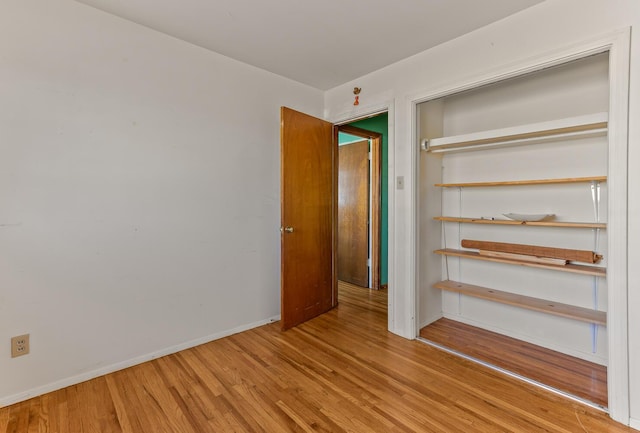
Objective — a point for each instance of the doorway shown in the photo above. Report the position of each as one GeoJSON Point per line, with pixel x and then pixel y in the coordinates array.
{"type": "Point", "coordinates": [309, 209]}
{"type": "Point", "coordinates": [362, 209]}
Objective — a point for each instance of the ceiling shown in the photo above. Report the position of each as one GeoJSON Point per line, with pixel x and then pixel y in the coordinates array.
{"type": "Point", "coordinates": [321, 43]}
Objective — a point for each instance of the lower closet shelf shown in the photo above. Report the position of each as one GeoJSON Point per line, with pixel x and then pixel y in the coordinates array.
{"type": "Point", "coordinates": [564, 310]}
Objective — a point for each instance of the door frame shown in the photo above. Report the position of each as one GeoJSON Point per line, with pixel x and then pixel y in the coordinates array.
{"type": "Point", "coordinates": [375, 204]}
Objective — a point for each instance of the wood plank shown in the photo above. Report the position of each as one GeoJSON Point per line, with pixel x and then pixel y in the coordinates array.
{"type": "Point", "coordinates": [339, 372]}
{"type": "Point", "coordinates": [563, 224]}
{"type": "Point", "coordinates": [524, 182]}
{"type": "Point", "coordinates": [534, 250]}
{"type": "Point", "coordinates": [575, 376]}
{"type": "Point", "coordinates": [576, 269]}
{"type": "Point", "coordinates": [530, 303]}
{"type": "Point", "coordinates": [523, 257]}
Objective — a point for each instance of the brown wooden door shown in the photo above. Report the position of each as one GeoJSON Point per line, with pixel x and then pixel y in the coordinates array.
{"type": "Point", "coordinates": [353, 213]}
{"type": "Point", "coordinates": [308, 211]}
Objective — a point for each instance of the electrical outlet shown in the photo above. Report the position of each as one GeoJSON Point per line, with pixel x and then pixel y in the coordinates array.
{"type": "Point", "coordinates": [19, 345]}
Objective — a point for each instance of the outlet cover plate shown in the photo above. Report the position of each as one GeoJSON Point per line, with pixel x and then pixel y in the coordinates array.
{"type": "Point", "coordinates": [19, 345]}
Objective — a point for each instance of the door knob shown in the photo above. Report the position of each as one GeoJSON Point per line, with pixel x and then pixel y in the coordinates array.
{"type": "Point", "coordinates": [286, 229]}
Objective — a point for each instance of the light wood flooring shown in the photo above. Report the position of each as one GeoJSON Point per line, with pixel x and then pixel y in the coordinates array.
{"type": "Point", "coordinates": [341, 372]}
{"type": "Point", "coordinates": [578, 377]}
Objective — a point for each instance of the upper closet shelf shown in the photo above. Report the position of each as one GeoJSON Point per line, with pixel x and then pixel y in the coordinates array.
{"type": "Point", "coordinates": [592, 125]}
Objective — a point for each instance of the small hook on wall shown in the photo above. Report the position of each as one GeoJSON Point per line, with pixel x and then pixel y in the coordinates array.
{"type": "Point", "coordinates": [356, 92]}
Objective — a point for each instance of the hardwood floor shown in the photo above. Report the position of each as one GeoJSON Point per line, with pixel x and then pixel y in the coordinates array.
{"type": "Point", "coordinates": [575, 376]}
{"type": "Point", "coordinates": [339, 372]}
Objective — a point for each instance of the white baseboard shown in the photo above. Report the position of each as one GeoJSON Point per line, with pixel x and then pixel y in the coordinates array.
{"type": "Point", "coordinates": [73, 380]}
{"type": "Point", "coordinates": [634, 423]}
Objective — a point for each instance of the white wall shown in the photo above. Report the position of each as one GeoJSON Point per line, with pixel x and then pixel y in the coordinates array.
{"type": "Point", "coordinates": [139, 193]}
{"type": "Point", "coordinates": [538, 30]}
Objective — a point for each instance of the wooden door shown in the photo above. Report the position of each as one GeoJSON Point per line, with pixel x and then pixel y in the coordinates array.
{"type": "Point", "coordinates": [308, 211]}
{"type": "Point", "coordinates": [353, 213]}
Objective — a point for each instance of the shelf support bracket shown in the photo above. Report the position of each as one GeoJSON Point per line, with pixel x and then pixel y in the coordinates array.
{"type": "Point", "coordinates": [595, 198]}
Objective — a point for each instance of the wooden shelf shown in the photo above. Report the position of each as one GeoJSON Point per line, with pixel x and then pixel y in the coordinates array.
{"type": "Point", "coordinates": [527, 302]}
{"type": "Point", "coordinates": [577, 269]}
{"type": "Point", "coordinates": [593, 125]}
{"type": "Point", "coordinates": [525, 182]}
{"type": "Point", "coordinates": [564, 224]}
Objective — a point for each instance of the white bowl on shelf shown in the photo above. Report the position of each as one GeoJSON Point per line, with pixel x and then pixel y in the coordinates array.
{"type": "Point", "coordinates": [529, 217]}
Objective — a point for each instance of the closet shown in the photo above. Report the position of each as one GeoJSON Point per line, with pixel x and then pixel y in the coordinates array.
{"type": "Point", "coordinates": [513, 224]}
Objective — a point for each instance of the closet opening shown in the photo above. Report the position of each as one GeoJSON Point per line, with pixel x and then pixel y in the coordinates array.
{"type": "Point", "coordinates": [513, 245]}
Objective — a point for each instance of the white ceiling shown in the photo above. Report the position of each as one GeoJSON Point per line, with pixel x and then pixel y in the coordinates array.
{"type": "Point", "coordinates": [322, 43]}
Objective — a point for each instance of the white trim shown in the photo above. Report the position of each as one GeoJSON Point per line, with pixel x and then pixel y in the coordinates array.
{"type": "Point", "coordinates": [360, 113]}
{"type": "Point", "coordinates": [54, 386]}
{"type": "Point", "coordinates": [370, 215]}
{"type": "Point", "coordinates": [634, 423]}
{"type": "Point", "coordinates": [414, 256]}
{"type": "Point", "coordinates": [617, 43]}
{"type": "Point", "coordinates": [353, 113]}
{"type": "Point", "coordinates": [617, 269]}
{"type": "Point", "coordinates": [393, 290]}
